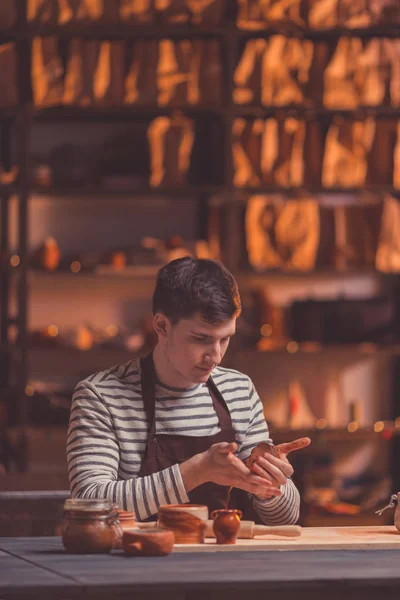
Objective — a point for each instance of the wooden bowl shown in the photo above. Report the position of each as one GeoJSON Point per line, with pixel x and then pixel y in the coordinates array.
{"type": "Point", "coordinates": [187, 521]}
{"type": "Point", "coordinates": [148, 542]}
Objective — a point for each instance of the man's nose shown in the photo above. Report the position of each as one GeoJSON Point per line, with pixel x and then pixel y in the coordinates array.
{"type": "Point", "coordinates": [215, 354]}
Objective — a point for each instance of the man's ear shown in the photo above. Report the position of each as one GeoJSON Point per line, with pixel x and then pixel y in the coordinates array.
{"type": "Point", "coordinates": [161, 324]}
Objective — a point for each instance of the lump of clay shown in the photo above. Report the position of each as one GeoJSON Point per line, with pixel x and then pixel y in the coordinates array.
{"type": "Point", "coordinates": [259, 450]}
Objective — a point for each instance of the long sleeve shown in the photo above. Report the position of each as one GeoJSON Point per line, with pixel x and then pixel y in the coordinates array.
{"type": "Point", "coordinates": [96, 462]}
{"type": "Point", "coordinates": [281, 510]}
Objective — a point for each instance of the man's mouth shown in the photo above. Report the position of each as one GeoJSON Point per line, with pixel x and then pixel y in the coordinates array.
{"type": "Point", "coordinates": [205, 369]}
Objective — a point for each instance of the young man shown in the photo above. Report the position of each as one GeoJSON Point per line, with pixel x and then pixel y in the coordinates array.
{"type": "Point", "coordinates": [175, 427]}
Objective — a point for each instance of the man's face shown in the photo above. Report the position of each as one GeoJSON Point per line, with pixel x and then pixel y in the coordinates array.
{"type": "Point", "coordinates": [193, 348]}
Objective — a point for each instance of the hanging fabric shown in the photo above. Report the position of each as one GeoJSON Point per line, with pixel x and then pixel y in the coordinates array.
{"type": "Point", "coordinates": [363, 73]}
{"type": "Point", "coordinates": [325, 14]}
{"type": "Point", "coordinates": [282, 233]}
{"type": "Point", "coordinates": [88, 11]}
{"type": "Point", "coordinates": [137, 11]}
{"type": "Point", "coordinates": [8, 14]}
{"type": "Point", "coordinates": [347, 147]}
{"type": "Point", "coordinates": [388, 253]}
{"type": "Point", "coordinates": [171, 142]}
{"type": "Point", "coordinates": [259, 14]}
{"type": "Point", "coordinates": [174, 73]}
{"type": "Point", "coordinates": [94, 74]}
{"type": "Point", "coordinates": [42, 11]}
{"type": "Point", "coordinates": [47, 73]}
{"type": "Point", "coordinates": [8, 70]}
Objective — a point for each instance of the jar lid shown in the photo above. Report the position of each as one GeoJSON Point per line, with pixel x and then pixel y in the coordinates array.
{"type": "Point", "coordinates": [88, 504]}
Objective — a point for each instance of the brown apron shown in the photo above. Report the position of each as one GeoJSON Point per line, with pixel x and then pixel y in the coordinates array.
{"type": "Point", "coordinates": [163, 451]}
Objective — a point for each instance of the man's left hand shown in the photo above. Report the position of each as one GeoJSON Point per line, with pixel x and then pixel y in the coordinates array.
{"type": "Point", "coordinates": [278, 469]}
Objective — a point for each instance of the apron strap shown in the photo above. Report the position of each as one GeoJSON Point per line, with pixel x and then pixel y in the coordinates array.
{"type": "Point", "coordinates": [148, 382]}
{"type": "Point", "coordinates": [220, 406]}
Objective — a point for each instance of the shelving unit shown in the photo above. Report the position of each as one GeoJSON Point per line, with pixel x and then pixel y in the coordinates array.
{"type": "Point", "coordinates": [218, 192]}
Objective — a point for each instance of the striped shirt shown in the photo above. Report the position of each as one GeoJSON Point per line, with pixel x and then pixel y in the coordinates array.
{"type": "Point", "coordinates": [108, 431]}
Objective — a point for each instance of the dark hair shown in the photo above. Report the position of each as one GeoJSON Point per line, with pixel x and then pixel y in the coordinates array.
{"type": "Point", "coordinates": [187, 286]}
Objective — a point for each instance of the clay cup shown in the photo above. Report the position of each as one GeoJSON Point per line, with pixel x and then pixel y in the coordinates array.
{"type": "Point", "coordinates": [148, 542]}
{"type": "Point", "coordinates": [187, 521]}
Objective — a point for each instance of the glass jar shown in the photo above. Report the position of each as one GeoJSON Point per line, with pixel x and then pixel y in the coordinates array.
{"type": "Point", "coordinates": [88, 525]}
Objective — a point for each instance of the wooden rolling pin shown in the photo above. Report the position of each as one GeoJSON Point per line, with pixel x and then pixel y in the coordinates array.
{"type": "Point", "coordinates": [248, 529]}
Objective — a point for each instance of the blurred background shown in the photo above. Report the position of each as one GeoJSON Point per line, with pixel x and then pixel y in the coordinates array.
{"type": "Point", "coordinates": [263, 133]}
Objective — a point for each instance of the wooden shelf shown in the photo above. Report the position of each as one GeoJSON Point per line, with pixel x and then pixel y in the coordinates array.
{"type": "Point", "coordinates": [281, 435]}
{"type": "Point", "coordinates": [316, 112]}
{"type": "Point", "coordinates": [249, 278]}
{"type": "Point", "coordinates": [96, 191]}
{"type": "Point", "coordinates": [122, 112]}
{"type": "Point", "coordinates": [121, 31]}
{"type": "Point", "coordinates": [382, 30]}
{"type": "Point", "coordinates": [139, 272]}
{"type": "Point", "coordinates": [126, 31]}
{"type": "Point", "coordinates": [315, 189]}
{"type": "Point", "coordinates": [292, 347]}
{"type": "Point", "coordinates": [71, 364]}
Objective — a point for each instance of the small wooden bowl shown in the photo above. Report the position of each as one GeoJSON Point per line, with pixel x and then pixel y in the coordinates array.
{"type": "Point", "coordinates": [148, 542]}
{"type": "Point", "coordinates": [187, 521]}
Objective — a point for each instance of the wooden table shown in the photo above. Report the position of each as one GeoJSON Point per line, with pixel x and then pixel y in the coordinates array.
{"type": "Point", "coordinates": [40, 568]}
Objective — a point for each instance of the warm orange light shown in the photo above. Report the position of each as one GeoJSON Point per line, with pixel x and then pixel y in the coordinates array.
{"type": "Point", "coordinates": [292, 347]}
{"type": "Point", "coordinates": [397, 422]}
{"type": "Point", "coordinates": [52, 330]}
{"type": "Point", "coordinates": [352, 426]}
{"type": "Point", "coordinates": [29, 390]}
{"type": "Point", "coordinates": [321, 424]}
{"type": "Point", "coordinates": [266, 330]}
{"type": "Point", "coordinates": [75, 266]}
{"type": "Point", "coordinates": [379, 426]}
{"type": "Point", "coordinates": [15, 260]}
{"type": "Point", "coordinates": [112, 330]}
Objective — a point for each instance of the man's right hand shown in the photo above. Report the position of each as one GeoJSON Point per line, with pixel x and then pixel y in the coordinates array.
{"type": "Point", "coordinates": [220, 465]}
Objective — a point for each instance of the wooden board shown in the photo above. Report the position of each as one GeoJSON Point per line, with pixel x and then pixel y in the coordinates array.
{"type": "Point", "coordinates": [312, 538]}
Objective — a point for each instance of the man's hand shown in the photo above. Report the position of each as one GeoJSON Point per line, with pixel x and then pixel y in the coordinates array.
{"type": "Point", "coordinates": [220, 465]}
{"type": "Point", "coordinates": [274, 469]}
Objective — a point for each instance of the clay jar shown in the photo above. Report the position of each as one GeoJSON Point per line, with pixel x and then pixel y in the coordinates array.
{"type": "Point", "coordinates": [125, 521]}
{"type": "Point", "coordinates": [148, 542]}
{"type": "Point", "coordinates": [187, 521]}
{"type": "Point", "coordinates": [226, 525]}
{"type": "Point", "coordinates": [88, 525]}
{"type": "Point", "coordinates": [259, 450]}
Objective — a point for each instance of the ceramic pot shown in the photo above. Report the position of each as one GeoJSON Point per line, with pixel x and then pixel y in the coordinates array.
{"type": "Point", "coordinates": [148, 542]}
{"type": "Point", "coordinates": [125, 521]}
{"type": "Point", "coordinates": [226, 525]}
{"type": "Point", "coordinates": [187, 521]}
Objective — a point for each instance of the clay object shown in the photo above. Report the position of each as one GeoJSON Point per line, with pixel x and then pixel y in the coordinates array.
{"type": "Point", "coordinates": [187, 521]}
{"type": "Point", "coordinates": [88, 526]}
{"type": "Point", "coordinates": [125, 522]}
{"type": "Point", "coordinates": [148, 542]}
{"type": "Point", "coordinates": [249, 530]}
{"type": "Point", "coordinates": [226, 525]}
{"type": "Point", "coordinates": [259, 450]}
